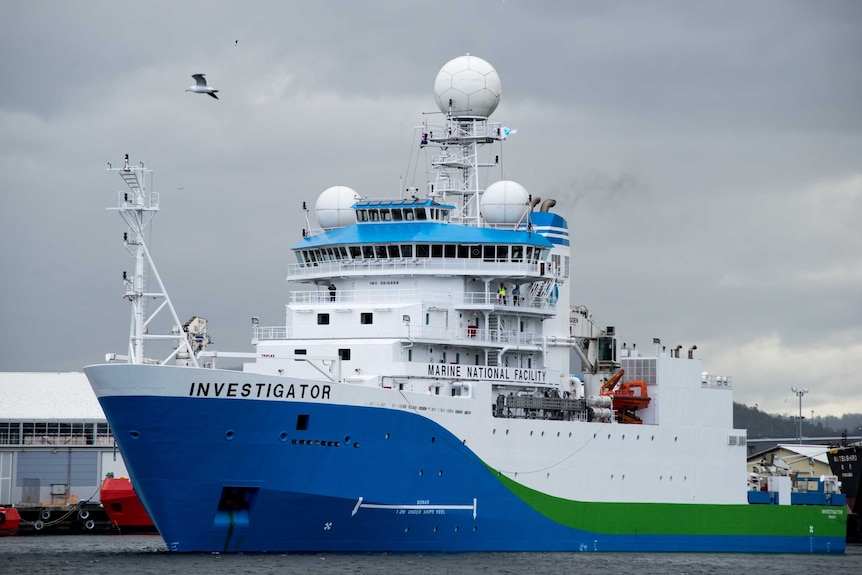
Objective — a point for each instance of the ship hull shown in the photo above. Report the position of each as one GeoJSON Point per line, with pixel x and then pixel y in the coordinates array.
{"type": "Point", "coordinates": [274, 473]}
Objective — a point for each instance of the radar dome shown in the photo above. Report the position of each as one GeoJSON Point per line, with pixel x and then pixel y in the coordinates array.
{"type": "Point", "coordinates": [333, 207]}
{"type": "Point", "coordinates": [505, 202]}
{"type": "Point", "coordinates": [472, 85]}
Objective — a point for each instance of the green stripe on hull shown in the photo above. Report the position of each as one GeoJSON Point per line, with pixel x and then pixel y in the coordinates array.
{"type": "Point", "coordinates": [685, 518]}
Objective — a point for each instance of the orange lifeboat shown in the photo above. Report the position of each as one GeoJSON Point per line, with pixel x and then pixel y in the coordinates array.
{"type": "Point", "coordinates": [625, 398]}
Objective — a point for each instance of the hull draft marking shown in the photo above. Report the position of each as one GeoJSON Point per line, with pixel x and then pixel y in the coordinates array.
{"type": "Point", "coordinates": [420, 507]}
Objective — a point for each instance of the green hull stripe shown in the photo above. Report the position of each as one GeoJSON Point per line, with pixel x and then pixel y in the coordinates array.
{"type": "Point", "coordinates": [684, 518]}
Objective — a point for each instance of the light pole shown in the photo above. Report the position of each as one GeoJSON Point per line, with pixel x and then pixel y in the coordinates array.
{"type": "Point", "coordinates": [799, 393]}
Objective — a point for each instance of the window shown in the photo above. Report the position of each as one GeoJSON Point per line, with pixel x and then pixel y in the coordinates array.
{"type": "Point", "coordinates": [407, 250]}
{"type": "Point", "coordinates": [393, 251]}
{"type": "Point", "coordinates": [384, 215]}
{"type": "Point", "coordinates": [361, 216]}
{"type": "Point", "coordinates": [381, 252]}
{"type": "Point", "coordinates": [323, 319]}
{"type": "Point", "coordinates": [421, 250]}
{"type": "Point", "coordinates": [373, 215]}
{"type": "Point", "coordinates": [397, 215]}
{"type": "Point", "coordinates": [420, 214]}
{"type": "Point", "coordinates": [449, 250]}
{"type": "Point", "coordinates": [408, 215]}
{"type": "Point", "coordinates": [300, 352]}
{"type": "Point", "coordinates": [366, 318]}
{"type": "Point", "coordinates": [355, 252]}
{"type": "Point", "coordinates": [344, 354]}
{"type": "Point", "coordinates": [368, 252]}
{"type": "Point", "coordinates": [502, 253]}
{"type": "Point", "coordinates": [436, 251]}
{"type": "Point", "coordinates": [517, 253]}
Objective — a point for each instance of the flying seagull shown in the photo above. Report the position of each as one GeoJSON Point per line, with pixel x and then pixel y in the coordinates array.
{"type": "Point", "coordinates": [201, 87]}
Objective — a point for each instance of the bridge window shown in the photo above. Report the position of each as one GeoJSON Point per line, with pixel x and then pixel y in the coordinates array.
{"type": "Point", "coordinates": [397, 215]}
{"type": "Point", "coordinates": [373, 215]}
{"type": "Point", "coordinates": [385, 215]}
{"type": "Point", "coordinates": [517, 253]}
{"type": "Point", "coordinates": [420, 214]}
{"type": "Point", "coordinates": [368, 252]}
{"type": "Point", "coordinates": [355, 252]}
{"type": "Point", "coordinates": [407, 250]}
{"type": "Point", "coordinates": [381, 252]}
{"type": "Point", "coordinates": [436, 251]}
{"type": "Point", "coordinates": [393, 251]}
{"type": "Point", "coordinates": [408, 215]}
{"type": "Point", "coordinates": [450, 250]}
{"type": "Point", "coordinates": [421, 250]}
{"type": "Point", "coordinates": [502, 253]}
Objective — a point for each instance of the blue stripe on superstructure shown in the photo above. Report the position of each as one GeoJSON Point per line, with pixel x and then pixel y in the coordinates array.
{"type": "Point", "coordinates": [552, 226]}
{"type": "Point", "coordinates": [307, 495]}
{"type": "Point", "coordinates": [419, 232]}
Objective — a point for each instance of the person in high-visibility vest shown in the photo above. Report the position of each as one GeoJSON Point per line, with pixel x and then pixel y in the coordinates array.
{"type": "Point", "coordinates": [501, 294]}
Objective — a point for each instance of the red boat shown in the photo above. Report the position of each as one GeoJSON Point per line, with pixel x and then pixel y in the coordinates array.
{"type": "Point", "coordinates": [10, 519]}
{"type": "Point", "coordinates": [123, 507]}
{"type": "Point", "coordinates": [625, 401]}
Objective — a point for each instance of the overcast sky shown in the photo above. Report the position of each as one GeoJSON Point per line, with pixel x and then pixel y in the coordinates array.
{"type": "Point", "coordinates": [707, 156]}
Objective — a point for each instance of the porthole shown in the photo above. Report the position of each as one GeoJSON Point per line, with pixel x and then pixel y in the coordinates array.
{"type": "Point", "coordinates": [135, 434]}
{"type": "Point", "coordinates": [229, 434]}
{"type": "Point", "coordinates": [421, 472]}
{"type": "Point", "coordinates": [386, 436]}
{"type": "Point", "coordinates": [282, 436]}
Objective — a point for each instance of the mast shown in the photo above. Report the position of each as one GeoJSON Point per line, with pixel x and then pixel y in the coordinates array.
{"type": "Point", "coordinates": [137, 207]}
{"type": "Point", "coordinates": [457, 166]}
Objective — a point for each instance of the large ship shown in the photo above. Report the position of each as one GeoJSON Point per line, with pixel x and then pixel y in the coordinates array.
{"type": "Point", "coordinates": [433, 388]}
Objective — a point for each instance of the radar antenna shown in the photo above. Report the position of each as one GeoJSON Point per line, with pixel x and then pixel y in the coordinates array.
{"type": "Point", "coordinates": [137, 207]}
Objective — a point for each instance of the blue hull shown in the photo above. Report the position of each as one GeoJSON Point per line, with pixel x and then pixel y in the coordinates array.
{"type": "Point", "coordinates": [355, 479]}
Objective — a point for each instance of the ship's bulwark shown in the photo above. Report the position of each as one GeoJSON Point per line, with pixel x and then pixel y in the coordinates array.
{"type": "Point", "coordinates": [287, 474]}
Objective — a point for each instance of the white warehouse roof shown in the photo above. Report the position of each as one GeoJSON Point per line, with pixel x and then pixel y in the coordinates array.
{"type": "Point", "coordinates": [42, 396]}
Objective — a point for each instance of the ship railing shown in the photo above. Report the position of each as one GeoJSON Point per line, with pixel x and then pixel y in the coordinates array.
{"type": "Point", "coordinates": [478, 128]}
{"type": "Point", "coordinates": [414, 264]}
{"type": "Point", "coordinates": [413, 296]}
{"type": "Point", "coordinates": [467, 335]}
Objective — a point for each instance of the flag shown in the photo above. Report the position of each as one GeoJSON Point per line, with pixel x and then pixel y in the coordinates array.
{"type": "Point", "coordinates": [506, 132]}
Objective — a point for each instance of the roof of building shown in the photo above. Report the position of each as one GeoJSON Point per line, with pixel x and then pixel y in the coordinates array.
{"type": "Point", "coordinates": [815, 452]}
{"type": "Point", "coordinates": [43, 396]}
